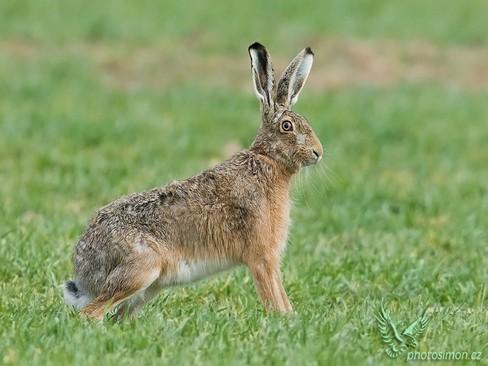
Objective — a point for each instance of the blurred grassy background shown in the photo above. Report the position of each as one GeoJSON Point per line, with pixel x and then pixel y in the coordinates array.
{"type": "Point", "coordinates": [224, 25]}
{"type": "Point", "coordinates": [102, 99]}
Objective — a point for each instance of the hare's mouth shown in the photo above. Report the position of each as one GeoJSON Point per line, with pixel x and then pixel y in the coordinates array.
{"type": "Point", "coordinates": [310, 162]}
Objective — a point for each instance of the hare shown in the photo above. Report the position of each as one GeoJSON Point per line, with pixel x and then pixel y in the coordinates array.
{"type": "Point", "coordinates": [236, 213]}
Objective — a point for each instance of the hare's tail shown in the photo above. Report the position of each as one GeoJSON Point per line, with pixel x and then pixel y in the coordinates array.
{"type": "Point", "coordinates": [74, 295]}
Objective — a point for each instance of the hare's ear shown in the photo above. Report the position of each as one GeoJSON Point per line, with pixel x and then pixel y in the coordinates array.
{"type": "Point", "coordinates": [262, 74]}
{"type": "Point", "coordinates": [294, 77]}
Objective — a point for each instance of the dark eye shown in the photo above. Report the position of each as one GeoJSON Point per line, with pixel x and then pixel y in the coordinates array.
{"type": "Point", "coordinates": [286, 126]}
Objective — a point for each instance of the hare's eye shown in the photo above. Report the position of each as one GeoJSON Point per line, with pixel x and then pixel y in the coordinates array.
{"type": "Point", "coordinates": [286, 126]}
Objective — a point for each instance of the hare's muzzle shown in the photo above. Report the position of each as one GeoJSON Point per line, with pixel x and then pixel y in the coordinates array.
{"type": "Point", "coordinates": [317, 151]}
{"type": "Point", "coordinates": [317, 155]}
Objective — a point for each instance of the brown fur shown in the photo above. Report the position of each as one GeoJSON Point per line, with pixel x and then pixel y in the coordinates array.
{"type": "Point", "coordinates": [235, 213]}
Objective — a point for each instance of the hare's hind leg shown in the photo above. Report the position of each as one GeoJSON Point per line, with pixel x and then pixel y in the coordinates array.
{"type": "Point", "coordinates": [128, 279]}
{"type": "Point", "coordinates": [132, 305]}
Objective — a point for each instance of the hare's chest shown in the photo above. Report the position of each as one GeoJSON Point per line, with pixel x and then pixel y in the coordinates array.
{"type": "Point", "coordinates": [282, 225]}
{"type": "Point", "coordinates": [279, 223]}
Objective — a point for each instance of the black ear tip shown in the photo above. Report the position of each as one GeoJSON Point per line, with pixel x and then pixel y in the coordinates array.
{"type": "Point", "coordinates": [256, 45]}
{"type": "Point", "coordinates": [309, 51]}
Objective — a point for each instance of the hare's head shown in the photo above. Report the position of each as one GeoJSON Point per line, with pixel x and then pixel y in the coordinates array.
{"type": "Point", "coordinates": [284, 135]}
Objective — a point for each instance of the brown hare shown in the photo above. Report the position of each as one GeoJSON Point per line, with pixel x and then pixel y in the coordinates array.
{"type": "Point", "coordinates": [234, 213]}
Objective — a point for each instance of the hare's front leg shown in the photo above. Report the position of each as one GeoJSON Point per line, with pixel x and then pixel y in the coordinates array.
{"type": "Point", "coordinates": [269, 286]}
{"type": "Point", "coordinates": [284, 296]}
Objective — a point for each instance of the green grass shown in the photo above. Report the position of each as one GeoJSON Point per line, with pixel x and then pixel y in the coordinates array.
{"type": "Point", "coordinates": [399, 216]}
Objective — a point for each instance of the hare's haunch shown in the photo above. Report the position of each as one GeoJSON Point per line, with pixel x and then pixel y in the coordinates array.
{"type": "Point", "coordinates": [235, 213]}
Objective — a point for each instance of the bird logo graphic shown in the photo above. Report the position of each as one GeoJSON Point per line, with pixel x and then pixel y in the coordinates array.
{"type": "Point", "coordinates": [396, 342]}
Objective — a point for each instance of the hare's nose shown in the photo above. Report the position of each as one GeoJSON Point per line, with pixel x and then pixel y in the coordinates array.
{"type": "Point", "coordinates": [317, 155]}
